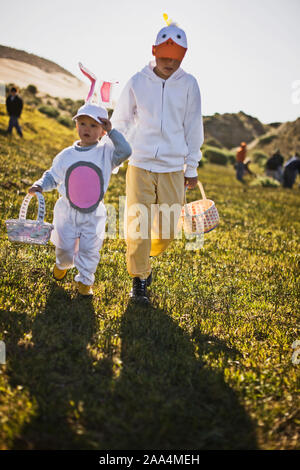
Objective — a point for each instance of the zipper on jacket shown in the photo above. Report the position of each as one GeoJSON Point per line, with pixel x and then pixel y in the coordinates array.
{"type": "Point", "coordinates": [161, 120]}
{"type": "Point", "coordinates": [162, 106]}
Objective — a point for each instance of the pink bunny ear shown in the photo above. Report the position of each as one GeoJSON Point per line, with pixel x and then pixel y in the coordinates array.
{"type": "Point", "coordinates": [105, 92]}
{"type": "Point", "coordinates": [91, 77]}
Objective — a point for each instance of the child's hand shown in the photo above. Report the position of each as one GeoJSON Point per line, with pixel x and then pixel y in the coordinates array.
{"type": "Point", "coordinates": [106, 124]}
{"type": "Point", "coordinates": [191, 183]}
{"type": "Point", "coordinates": [34, 189]}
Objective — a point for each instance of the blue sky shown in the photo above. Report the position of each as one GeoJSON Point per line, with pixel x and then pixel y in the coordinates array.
{"type": "Point", "coordinates": [245, 54]}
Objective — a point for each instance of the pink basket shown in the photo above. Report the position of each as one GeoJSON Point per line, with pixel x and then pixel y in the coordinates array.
{"type": "Point", "coordinates": [29, 231]}
{"type": "Point", "coordinates": [199, 216]}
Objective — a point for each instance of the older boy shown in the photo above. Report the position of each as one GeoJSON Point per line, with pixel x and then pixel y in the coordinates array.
{"type": "Point", "coordinates": [160, 112]}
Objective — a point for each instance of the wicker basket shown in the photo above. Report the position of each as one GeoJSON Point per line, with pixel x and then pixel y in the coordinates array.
{"type": "Point", "coordinates": [35, 232]}
{"type": "Point", "coordinates": [200, 216]}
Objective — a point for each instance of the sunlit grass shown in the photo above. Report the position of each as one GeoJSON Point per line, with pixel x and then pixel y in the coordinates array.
{"type": "Point", "coordinates": [208, 366]}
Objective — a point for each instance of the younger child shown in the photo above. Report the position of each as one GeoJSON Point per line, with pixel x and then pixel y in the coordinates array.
{"type": "Point", "coordinates": [81, 174]}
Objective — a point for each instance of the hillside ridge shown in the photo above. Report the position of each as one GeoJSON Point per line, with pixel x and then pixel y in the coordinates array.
{"type": "Point", "coordinates": [227, 130]}
{"type": "Point", "coordinates": [46, 65]}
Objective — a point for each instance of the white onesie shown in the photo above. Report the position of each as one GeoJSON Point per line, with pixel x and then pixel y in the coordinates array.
{"type": "Point", "coordinates": [81, 176]}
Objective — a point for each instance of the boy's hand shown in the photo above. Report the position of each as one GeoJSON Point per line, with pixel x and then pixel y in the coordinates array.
{"type": "Point", "coordinates": [35, 189]}
{"type": "Point", "coordinates": [191, 183]}
{"type": "Point", "coordinates": [106, 124]}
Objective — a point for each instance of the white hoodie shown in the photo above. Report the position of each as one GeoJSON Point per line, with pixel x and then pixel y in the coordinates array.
{"type": "Point", "coordinates": [162, 121]}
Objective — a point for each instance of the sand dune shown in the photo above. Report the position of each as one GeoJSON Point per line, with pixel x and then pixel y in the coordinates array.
{"type": "Point", "coordinates": [54, 84]}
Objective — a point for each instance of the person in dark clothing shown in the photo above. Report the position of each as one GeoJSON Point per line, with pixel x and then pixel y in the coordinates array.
{"type": "Point", "coordinates": [274, 166]}
{"type": "Point", "coordinates": [291, 170]}
{"type": "Point", "coordinates": [14, 106]}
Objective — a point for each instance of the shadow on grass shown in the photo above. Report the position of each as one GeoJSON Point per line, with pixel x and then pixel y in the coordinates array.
{"type": "Point", "coordinates": [162, 396]}
{"type": "Point", "coordinates": [54, 366]}
{"type": "Point", "coordinates": [165, 397]}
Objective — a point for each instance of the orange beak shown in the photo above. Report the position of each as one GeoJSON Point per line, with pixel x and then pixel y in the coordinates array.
{"type": "Point", "coordinates": [169, 49]}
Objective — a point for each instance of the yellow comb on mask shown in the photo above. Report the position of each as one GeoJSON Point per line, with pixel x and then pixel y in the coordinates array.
{"type": "Point", "coordinates": [166, 18]}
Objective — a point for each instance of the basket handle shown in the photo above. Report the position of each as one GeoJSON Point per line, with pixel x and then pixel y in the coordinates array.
{"type": "Point", "coordinates": [186, 207]}
{"type": "Point", "coordinates": [41, 208]}
{"type": "Point", "coordinates": [200, 186]}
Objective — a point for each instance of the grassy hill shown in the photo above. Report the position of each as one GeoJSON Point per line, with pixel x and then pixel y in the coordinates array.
{"type": "Point", "coordinates": [285, 137]}
{"type": "Point", "coordinates": [229, 130]}
{"type": "Point", "coordinates": [207, 366]}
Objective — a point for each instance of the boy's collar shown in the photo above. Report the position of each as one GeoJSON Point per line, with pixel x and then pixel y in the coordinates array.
{"type": "Point", "coordinates": [83, 149]}
{"type": "Point", "coordinates": [178, 73]}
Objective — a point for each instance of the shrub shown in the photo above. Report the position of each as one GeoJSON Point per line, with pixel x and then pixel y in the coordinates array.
{"type": "Point", "coordinates": [231, 158]}
{"type": "Point", "coordinates": [76, 105]}
{"type": "Point", "coordinates": [215, 155]}
{"type": "Point", "coordinates": [32, 89]}
{"type": "Point", "coordinates": [65, 121]}
{"type": "Point", "coordinates": [265, 181]}
{"type": "Point", "coordinates": [203, 161]}
{"type": "Point", "coordinates": [62, 105]}
{"type": "Point", "coordinates": [49, 111]}
{"type": "Point", "coordinates": [69, 105]}
{"type": "Point", "coordinates": [34, 101]}
{"type": "Point", "coordinates": [213, 143]}
{"type": "Point", "coordinates": [259, 157]}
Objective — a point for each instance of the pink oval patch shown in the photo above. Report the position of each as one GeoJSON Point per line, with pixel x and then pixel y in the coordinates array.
{"type": "Point", "coordinates": [84, 187]}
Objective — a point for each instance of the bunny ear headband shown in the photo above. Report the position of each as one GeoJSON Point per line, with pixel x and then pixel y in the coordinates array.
{"type": "Point", "coordinates": [105, 88]}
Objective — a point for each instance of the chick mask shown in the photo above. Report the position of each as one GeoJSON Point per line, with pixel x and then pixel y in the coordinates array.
{"type": "Point", "coordinates": [170, 42]}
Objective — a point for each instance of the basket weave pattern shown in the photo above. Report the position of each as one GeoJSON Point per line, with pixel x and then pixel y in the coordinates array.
{"type": "Point", "coordinates": [199, 216]}
{"type": "Point", "coordinates": [29, 231]}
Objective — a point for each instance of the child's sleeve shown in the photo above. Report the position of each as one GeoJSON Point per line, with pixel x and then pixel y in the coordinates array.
{"type": "Point", "coordinates": [123, 116]}
{"type": "Point", "coordinates": [122, 149]}
{"type": "Point", "coordinates": [46, 182]}
{"type": "Point", "coordinates": [193, 129]}
{"type": "Point", "coordinates": [53, 177]}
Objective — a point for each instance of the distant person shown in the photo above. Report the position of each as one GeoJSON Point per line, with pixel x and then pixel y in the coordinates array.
{"type": "Point", "coordinates": [240, 159]}
{"type": "Point", "coordinates": [291, 170]}
{"type": "Point", "coordinates": [14, 106]}
{"type": "Point", "coordinates": [274, 166]}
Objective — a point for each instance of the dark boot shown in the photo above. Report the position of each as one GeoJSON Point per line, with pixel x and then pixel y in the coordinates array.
{"type": "Point", "coordinates": [138, 292]}
{"type": "Point", "coordinates": [149, 279]}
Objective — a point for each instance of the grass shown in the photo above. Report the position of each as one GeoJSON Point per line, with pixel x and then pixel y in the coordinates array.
{"type": "Point", "coordinates": [207, 366]}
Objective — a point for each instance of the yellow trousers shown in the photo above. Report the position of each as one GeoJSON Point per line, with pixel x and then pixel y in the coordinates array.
{"type": "Point", "coordinates": [150, 224]}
